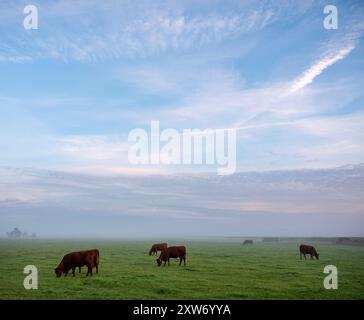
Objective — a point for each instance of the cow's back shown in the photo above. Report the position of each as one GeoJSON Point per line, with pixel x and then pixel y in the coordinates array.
{"type": "Point", "coordinates": [91, 255]}
{"type": "Point", "coordinates": [307, 249]}
{"type": "Point", "coordinates": [177, 251]}
{"type": "Point", "coordinates": [159, 246]}
{"type": "Point", "coordinates": [81, 258]}
{"type": "Point", "coordinates": [93, 252]}
{"type": "Point", "coordinates": [77, 259]}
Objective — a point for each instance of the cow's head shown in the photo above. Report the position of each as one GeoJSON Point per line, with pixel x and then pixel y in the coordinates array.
{"type": "Point", "coordinates": [159, 262]}
{"type": "Point", "coordinates": [150, 252]}
{"type": "Point", "coordinates": [58, 272]}
{"type": "Point", "coordinates": [317, 256]}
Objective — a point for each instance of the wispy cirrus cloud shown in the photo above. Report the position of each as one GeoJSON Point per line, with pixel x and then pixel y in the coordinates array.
{"type": "Point", "coordinates": [181, 31]}
{"type": "Point", "coordinates": [100, 32]}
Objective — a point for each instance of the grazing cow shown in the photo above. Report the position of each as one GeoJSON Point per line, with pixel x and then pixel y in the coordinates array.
{"type": "Point", "coordinates": [247, 242]}
{"type": "Point", "coordinates": [305, 249]}
{"type": "Point", "coordinates": [172, 252]}
{"type": "Point", "coordinates": [157, 247]}
{"type": "Point", "coordinates": [89, 258]}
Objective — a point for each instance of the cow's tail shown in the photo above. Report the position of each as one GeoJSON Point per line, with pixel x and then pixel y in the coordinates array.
{"type": "Point", "coordinates": [97, 258]}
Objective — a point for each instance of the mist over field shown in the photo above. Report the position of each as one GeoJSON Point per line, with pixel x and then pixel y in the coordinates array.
{"type": "Point", "coordinates": [320, 202]}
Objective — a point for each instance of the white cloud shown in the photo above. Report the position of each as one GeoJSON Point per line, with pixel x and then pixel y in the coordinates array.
{"type": "Point", "coordinates": [315, 70]}
{"type": "Point", "coordinates": [92, 147]}
{"type": "Point", "coordinates": [105, 155]}
{"type": "Point", "coordinates": [168, 31]}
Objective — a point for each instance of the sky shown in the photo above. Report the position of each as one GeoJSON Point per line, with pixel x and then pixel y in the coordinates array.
{"type": "Point", "coordinates": [72, 90]}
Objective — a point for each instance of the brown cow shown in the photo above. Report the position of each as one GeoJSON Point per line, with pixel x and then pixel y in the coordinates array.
{"type": "Point", "coordinates": [247, 242]}
{"type": "Point", "coordinates": [89, 258]}
{"type": "Point", "coordinates": [305, 249]}
{"type": "Point", "coordinates": [172, 252]}
{"type": "Point", "coordinates": [157, 247]}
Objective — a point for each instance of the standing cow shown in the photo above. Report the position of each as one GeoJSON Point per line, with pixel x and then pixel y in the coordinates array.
{"type": "Point", "coordinates": [157, 247]}
{"type": "Point", "coordinates": [247, 242]}
{"type": "Point", "coordinates": [71, 261]}
{"type": "Point", "coordinates": [305, 249]}
{"type": "Point", "coordinates": [172, 252]}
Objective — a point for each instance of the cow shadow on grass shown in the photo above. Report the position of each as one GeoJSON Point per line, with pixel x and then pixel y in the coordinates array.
{"type": "Point", "coordinates": [190, 269]}
{"type": "Point", "coordinates": [164, 291]}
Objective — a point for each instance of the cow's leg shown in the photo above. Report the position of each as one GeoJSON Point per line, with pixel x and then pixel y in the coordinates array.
{"type": "Point", "coordinates": [73, 271]}
{"type": "Point", "coordinates": [89, 270]}
{"type": "Point", "coordinates": [79, 269]}
{"type": "Point", "coordinates": [301, 255]}
{"type": "Point", "coordinates": [304, 255]}
{"type": "Point", "coordinates": [184, 260]}
{"type": "Point", "coordinates": [311, 256]}
{"type": "Point", "coordinates": [165, 261]}
{"type": "Point", "coordinates": [169, 262]}
{"type": "Point", "coordinates": [180, 260]}
{"type": "Point", "coordinates": [97, 268]}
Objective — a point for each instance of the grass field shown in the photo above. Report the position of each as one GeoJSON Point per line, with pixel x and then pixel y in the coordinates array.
{"type": "Point", "coordinates": [215, 270]}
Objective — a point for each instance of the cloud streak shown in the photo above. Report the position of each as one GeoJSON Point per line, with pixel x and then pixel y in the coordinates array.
{"type": "Point", "coordinates": [315, 70]}
{"type": "Point", "coordinates": [15, 59]}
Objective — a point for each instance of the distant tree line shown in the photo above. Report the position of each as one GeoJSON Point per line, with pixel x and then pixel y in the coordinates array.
{"type": "Point", "coordinates": [17, 234]}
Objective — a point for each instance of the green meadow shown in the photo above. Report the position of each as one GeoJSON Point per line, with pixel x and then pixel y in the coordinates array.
{"type": "Point", "coordinates": [214, 270]}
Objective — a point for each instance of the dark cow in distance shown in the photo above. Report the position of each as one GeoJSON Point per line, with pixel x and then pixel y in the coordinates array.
{"type": "Point", "coordinates": [172, 252]}
{"type": "Point", "coordinates": [305, 249]}
{"type": "Point", "coordinates": [71, 261]}
{"type": "Point", "coordinates": [157, 247]}
{"type": "Point", "coordinates": [247, 242]}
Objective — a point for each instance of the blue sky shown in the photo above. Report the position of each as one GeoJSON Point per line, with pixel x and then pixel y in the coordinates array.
{"type": "Point", "coordinates": [71, 91]}
{"type": "Point", "coordinates": [93, 71]}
